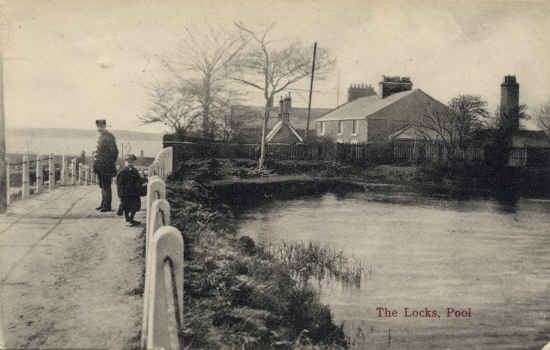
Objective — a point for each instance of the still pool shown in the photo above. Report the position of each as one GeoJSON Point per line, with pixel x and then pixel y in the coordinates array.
{"type": "Point", "coordinates": [444, 273]}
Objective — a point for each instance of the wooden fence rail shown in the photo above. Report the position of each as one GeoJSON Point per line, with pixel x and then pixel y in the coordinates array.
{"type": "Point", "coordinates": [162, 164]}
{"type": "Point", "coordinates": [366, 153]}
{"type": "Point", "coordinates": [31, 176]}
{"type": "Point", "coordinates": [165, 311]}
{"type": "Point", "coordinates": [163, 290]}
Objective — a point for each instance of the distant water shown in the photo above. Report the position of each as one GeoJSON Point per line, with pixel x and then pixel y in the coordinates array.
{"type": "Point", "coordinates": [489, 258]}
{"type": "Point", "coordinates": [74, 146]}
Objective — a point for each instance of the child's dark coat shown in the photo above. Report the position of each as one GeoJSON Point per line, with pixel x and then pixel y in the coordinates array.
{"type": "Point", "coordinates": [129, 184]}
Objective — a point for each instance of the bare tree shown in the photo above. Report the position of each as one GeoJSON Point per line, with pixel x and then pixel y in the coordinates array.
{"type": "Point", "coordinates": [201, 66]}
{"type": "Point", "coordinates": [505, 123]}
{"type": "Point", "coordinates": [455, 125]}
{"type": "Point", "coordinates": [173, 107]}
{"type": "Point", "coordinates": [272, 66]}
{"type": "Point", "coordinates": [542, 116]}
{"type": "Point", "coordinates": [223, 125]}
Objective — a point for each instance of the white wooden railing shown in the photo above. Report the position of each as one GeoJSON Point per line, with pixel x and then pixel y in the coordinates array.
{"type": "Point", "coordinates": [163, 291]}
{"type": "Point", "coordinates": [69, 175]}
{"type": "Point", "coordinates": [162, 165]}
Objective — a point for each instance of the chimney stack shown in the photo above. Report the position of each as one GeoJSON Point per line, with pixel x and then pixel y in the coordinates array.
{"type": "Point", "coordinates": [285, 108]}
{"type": "Point", "coordinates": [391, 85]}
{"type": "Point", "coordinates": [356, 91]}
{"type": "Point", "coordinates": [509, 102]}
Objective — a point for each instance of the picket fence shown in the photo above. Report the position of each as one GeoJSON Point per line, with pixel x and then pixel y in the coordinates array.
{"type": "Point", "coordinates": [163, 291]}
{"type": "Point", "coordinates": [327, 151]}
{"type": "Point", "coordinates": [434, 152]}
{"type": "Point", "coordinates": [46, 174]}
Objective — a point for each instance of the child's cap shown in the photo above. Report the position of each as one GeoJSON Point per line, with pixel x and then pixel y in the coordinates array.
{"type": "Point", "coordinates": [101, 123]}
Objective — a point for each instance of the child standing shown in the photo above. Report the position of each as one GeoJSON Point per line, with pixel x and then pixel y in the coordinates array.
{"type": "Point", "coordinates": [129, 184]}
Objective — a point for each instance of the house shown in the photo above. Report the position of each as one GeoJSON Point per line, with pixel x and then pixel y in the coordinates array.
{"type": "Point", "coordinates": [283, 131]}
{"type": "Point", "coordinates": [527, 147]}
{"type": "Point", "coordinates": [373, 118]}
{"type": "Point", "coordinates": [248, 120]}
{"type": "Point", "coordinates": [413, 134]}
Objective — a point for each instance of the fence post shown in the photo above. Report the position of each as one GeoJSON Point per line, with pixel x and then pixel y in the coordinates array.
{"type": "Point", "coordinates": [51, 175]}
{"type": "Point", "coordinates": [62, 171]}
{"type": "Point", "coordinates": [166, 307]}
{"type": "Point", "coordinates": [39, 176]}
{"type": "Point", "coordinates": [8, 183]}
{"type": "Point", "coordinates": [156, 189]}
{"type": "Point", "coordinates": [25, 191]}
{"type": "Point", "coordinates": [160, 216]}
{"type": "Point", "coordinates": [81, 175]}
{"type": "Point", "coordinates": [73, 171]}
{"type": "Point", "coordinates": [3, 344]}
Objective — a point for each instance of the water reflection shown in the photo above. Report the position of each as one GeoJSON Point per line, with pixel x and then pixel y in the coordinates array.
{"type": "Point", "coordinates": [491, 256]}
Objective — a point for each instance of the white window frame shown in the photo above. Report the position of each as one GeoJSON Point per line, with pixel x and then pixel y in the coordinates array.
{"type": "Point", "coordinates": [340, 127]}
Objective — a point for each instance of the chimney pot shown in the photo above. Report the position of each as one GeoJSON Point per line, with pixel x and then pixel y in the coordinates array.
{"type": "Point", "coordinates": [358, 90]}
{"type": "Point", "coordinates": [393, 84]}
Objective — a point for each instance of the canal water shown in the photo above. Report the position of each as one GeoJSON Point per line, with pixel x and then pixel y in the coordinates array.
{"type": "Point", "coordinates": [483, 266]}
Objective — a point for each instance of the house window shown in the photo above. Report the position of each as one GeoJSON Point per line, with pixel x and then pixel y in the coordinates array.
{"type": "Point", "coordinates": [340, 126]}
{"type": "Point", "coordinates": [354, 127]}
{"type": "Point", "coordinates": [322, 128]}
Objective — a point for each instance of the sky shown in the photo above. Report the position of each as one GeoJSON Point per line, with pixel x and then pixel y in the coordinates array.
{"type": "Point", "coordinates": [69, 62]}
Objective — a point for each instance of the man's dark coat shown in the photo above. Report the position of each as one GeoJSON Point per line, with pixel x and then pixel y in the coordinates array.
{"type": "Point", "coordinates": [106, 155]}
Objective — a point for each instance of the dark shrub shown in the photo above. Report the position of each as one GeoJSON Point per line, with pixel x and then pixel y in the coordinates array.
{"type": "Point", "coordinates": [247, 245]}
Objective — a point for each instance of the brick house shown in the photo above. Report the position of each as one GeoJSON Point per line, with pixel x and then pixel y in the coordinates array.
{"type": "Point", "coordinates": [373, 118]}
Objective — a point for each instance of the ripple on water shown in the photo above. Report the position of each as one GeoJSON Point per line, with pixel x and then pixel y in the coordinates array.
{"type": "Point", "coordinates": [437, 253]}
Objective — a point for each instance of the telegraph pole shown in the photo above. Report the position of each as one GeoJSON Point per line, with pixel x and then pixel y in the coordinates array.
{"type": "Point", "coordinates": [3, 160]}
{"type": "Point", "coordinates": [310, 91]}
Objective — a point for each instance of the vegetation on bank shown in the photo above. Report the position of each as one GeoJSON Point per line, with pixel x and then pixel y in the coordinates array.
{"type": "Point", "coordinates": [239, 295]}
{"type": "Point", "coordinates": [450, 176]}
{"type": "Point", "coordinates": [308, 260]}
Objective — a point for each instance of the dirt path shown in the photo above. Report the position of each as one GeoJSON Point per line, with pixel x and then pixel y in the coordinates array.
{"type": "Point", "coordinates": [70, 277]}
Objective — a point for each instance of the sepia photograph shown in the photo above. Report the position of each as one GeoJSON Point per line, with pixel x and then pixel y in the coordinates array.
{"type": "Point", "coordinates": [286, 175]}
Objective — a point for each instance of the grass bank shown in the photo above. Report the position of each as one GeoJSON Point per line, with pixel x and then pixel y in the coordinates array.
{"type": "Point", "coordinates": [242, 296]}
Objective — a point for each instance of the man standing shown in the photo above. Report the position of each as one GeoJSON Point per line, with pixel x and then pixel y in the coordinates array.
{"type": "Point", "coordinates": [105, 163]}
